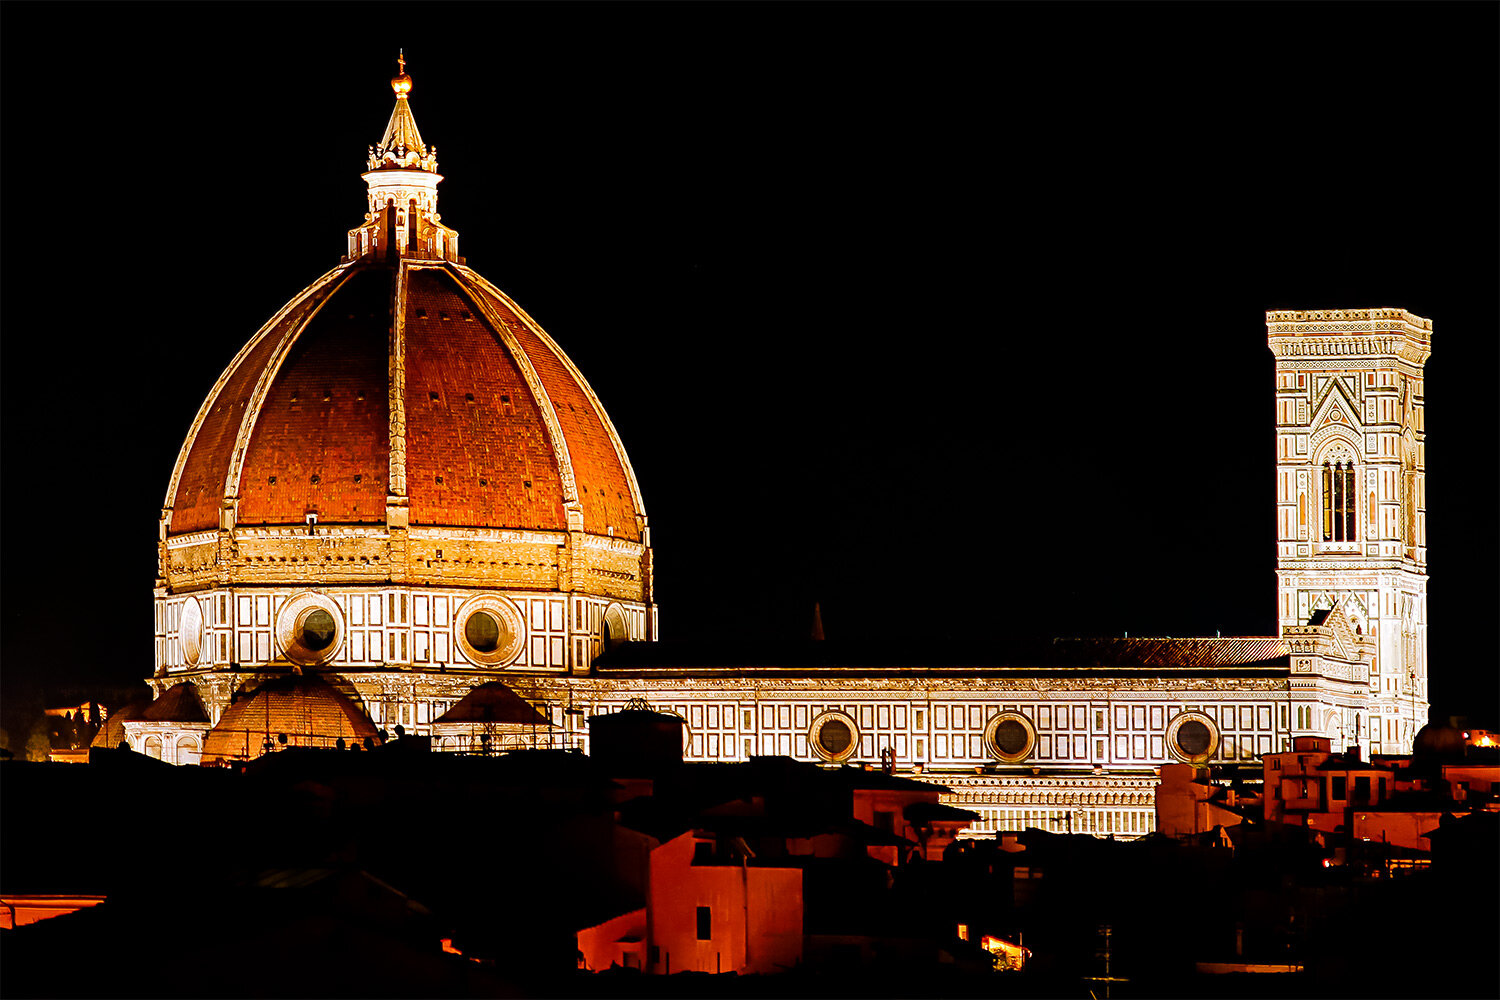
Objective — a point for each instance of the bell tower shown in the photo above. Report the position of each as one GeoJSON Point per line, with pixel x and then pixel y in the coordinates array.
{"type": "Point", "coordinates": [1351, 498]}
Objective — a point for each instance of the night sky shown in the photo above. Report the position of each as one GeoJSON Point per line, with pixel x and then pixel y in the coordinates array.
{"type": "Point", "coordinates": [950, 318]}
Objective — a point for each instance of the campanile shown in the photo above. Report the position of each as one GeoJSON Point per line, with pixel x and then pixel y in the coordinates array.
{"type": "Point", "coordinates": [1351, 497]}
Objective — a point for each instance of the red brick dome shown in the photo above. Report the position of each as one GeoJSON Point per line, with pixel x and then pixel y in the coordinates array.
{"type": "Point", "coordinates": [416, 381]}
{"type": "Point", "coordinates": [299, 710]}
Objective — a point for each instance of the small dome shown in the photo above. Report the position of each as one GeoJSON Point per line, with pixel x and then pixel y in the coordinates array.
{"type": "Point", "coordinates": [179, 703]}
{"type": "Point", "coordinates": [112, 733]}
{"type": "Point", "coordinates": [299, 711]}
{"type": "Point", "coordinates": [1437, 740]}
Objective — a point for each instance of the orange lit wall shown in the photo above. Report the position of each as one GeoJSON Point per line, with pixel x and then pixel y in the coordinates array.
{"type": "Point", "coordinates": [621, 941]}
{"type": "Point", "coordinates": [18, 910]}
{"type": "Point", "coordinates": [1481, 778]}
{"type": "Point", "coordinates": [755, 914]}
{"type": "Point", "coordinates": [1182, 806]}
{"type": "Point", "coordinates": [1399, 829]}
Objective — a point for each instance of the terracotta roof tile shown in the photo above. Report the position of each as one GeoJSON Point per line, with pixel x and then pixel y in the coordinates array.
{"type": "Point", "coordinates": [476, 435]}
{"type": "Point", "coordinates": [200, 488]}
{"type": "Point", "coordinates": [494, 702]}
{"type": "Point", "coordinates": [604, 491]}
{"type": "Point", "coordinates": [483, 434]}
{"type": "Point", "coordinates": [322, 441]}
{"type": "Point", "coordinates": [177, 704]}
{"type": "Point", "coordinates": [303, 707]}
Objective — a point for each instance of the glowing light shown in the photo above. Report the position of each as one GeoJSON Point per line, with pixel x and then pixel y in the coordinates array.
{"type": "Point", "coordinates": [1007, 954]}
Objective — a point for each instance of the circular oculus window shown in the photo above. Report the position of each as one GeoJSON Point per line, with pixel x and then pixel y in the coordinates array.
{"type": "Point", "coordinates": [489, 630]}
{"type": "Point", "coordinates": [834, 737]}
{"type": "Point", "coordinates": [1010, 737]}
{"type": "Point", "coordinates": [1192, 737]}
{"type": "Point", "coordinates": [310, 629]}
{"type": "Point", "coordinates": [190, 631]}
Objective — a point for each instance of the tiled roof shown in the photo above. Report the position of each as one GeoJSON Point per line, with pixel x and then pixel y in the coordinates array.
{"type": "Point", "coordinates": [479, 452]}
{"type": "Point", "coordinates": [1082, 655]}
{"type": "Point", "coordinates": [322, 440]}
{"type": "Point", "coordinates": [494, 702]}
{"type": "Point", "coordinates": [112, 732]}
{"type": "Point", "coordinates": [200, 488]}
{"type": "Point", "coordinates": [304, 708]}
{"type": "Point", "coordinates": [603, 490]}
{"type": "Point", "coordinates": [177, 704]}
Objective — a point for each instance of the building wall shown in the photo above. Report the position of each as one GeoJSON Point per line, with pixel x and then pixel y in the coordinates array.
{"type": "Point", "coordinates": [755, 914]}
{"type": "Point", "coordinates": [415, 628]}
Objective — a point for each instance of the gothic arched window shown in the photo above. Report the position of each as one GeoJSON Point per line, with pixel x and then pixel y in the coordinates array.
{"type": "Point", "coordinates": [1338, 502]}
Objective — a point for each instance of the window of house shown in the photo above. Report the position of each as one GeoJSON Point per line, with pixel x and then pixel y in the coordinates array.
{"type": "Point", "coordinates": [885, 821]}
{"type": "Point", "coordinates": [705, 924]}
{"type": "Point", "coordinates": [921, 719]}
{"type": "Point", "coordinates": [1339, 790]}
{"type": "Point", "coordinates": [1362, 789]}
{"type": "Point", "coordinates": [1338, 502]}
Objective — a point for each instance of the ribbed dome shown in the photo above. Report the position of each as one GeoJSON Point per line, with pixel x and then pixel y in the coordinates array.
{"type": "Point", "coordinates": [500, 430]}
{"type": "Point", "coordinates": [400, 469]}
{"type": "Point", "coordinates": [302, 709]}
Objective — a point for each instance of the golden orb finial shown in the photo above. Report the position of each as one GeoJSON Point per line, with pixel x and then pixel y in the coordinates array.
{"type": "Point", "coordinates": [401, 83]}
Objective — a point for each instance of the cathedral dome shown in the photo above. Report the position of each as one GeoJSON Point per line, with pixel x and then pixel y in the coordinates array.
{"type": "Point", "coordinates": [402, 390]}
{"type": "Point", "coordinates": [469, 411]}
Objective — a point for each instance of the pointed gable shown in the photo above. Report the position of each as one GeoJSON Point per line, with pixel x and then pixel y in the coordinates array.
{"type": "Point", "coordinates": [494, 702]}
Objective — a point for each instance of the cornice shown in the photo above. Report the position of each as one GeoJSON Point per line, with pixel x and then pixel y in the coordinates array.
{"type": "Point", "coordinates": [1300, 321]}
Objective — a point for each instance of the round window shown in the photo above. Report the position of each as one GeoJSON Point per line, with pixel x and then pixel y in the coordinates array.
{"type": "Point", "coordinates": [1192, 737]}
{"type": "Point", "coordinates": [190, 631]}
{"type": "Point", "coordinates": [489, 631]}
{"type": "Point", "coordinates": [309, 629]}
{"type": "Point", "coordinates": [317, 631]}
{"type": "Point", "coordinates": [834, 737]}
{"type": "Point", "coordinates": [482, 631]}
{"type": "Point", "coordinates": [1010, 736]}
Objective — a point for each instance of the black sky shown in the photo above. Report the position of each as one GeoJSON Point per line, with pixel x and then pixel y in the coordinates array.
{"type": "Point", "coordinates": [948, 317]}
